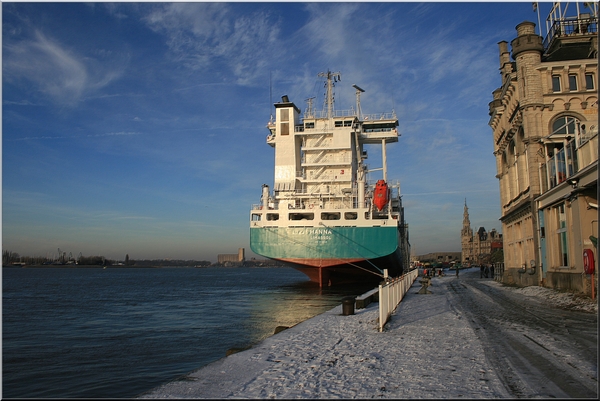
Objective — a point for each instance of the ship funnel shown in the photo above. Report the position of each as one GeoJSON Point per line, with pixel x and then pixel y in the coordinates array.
{"type": "Point", "coordinates": [285, 99]}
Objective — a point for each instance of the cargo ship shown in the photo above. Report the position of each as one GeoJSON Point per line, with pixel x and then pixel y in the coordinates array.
{"type": "Point", "coordinates": [324, 216]}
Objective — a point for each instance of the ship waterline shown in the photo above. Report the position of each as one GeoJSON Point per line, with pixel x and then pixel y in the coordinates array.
{"type": "Point", "coordinates": [330, 255]}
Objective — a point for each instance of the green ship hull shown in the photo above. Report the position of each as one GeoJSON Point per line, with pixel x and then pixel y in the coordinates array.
{"type": "Point", "coordinates": [333, 255]}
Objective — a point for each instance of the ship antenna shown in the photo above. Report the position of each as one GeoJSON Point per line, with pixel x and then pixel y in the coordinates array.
{"type": "Point", "coordinates": [271, 96]}
{"type": "Point", "coordinates": [309, 107]}
{"type": "Point", "coordinates": [331, 78]}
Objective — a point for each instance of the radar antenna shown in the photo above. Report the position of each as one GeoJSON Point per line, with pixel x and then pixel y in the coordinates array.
{"type": "Point", "coordinates": [358, 92]}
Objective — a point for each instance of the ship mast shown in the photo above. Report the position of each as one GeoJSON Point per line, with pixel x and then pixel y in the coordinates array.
{"type": "Point", "coordinates": [331, 78]}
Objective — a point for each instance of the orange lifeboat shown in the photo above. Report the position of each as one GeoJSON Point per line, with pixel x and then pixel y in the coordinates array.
{"type": "Point", "coordinates": [380, 196]}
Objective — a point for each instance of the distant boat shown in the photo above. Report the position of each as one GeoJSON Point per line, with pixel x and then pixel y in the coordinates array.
{"type": "Point", "coordinates": [323, 218]}
{"type": "Point", "coordinates": [19, 264]}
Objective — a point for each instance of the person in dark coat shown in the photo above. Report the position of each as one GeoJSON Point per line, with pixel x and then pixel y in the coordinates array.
{"type": "Point", "coordinates": [481, 268]}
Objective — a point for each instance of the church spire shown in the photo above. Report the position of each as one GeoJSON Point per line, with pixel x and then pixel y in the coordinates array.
{"type": "Point", "coordinates": [466, 229]}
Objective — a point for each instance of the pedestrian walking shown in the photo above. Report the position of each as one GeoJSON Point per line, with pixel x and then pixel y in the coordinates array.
{"type": "Point", "coordinates": [486, 272]}
{"type": "Point", "coordinates": [456, 271]}
{"type": "Point", "coordinates": [481, 271]}
{"type": "Point", "coordinates": [492, 271]}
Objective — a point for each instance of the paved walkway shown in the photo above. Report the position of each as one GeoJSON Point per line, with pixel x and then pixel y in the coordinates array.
{"type": "Point", "coordinates": [426, 351]}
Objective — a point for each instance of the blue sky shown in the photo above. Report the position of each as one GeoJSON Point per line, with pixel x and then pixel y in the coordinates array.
{"type": "Point", "coordinates": [139, 128]}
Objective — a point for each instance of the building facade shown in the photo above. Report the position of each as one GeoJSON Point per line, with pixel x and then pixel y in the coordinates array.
{"type": "Point", "coordinates": [544, 119]}
{"type": "Point", "coordinates": [477, 248]}
{"type": "Point", "coordinates": [232, 257]}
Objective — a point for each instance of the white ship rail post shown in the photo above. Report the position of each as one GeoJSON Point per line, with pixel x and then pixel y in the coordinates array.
{"type": "Point", "coordinates": [391, 293]}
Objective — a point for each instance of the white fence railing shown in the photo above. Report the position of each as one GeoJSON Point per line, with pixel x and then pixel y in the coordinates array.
{"type": "Point", "coordinates": [392, 292]}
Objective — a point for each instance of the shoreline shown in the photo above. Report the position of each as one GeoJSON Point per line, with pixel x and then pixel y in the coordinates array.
{"type": "Point", "coordinates": [82, 266]}
{"type": "Point", "coordinates": [336, 356]}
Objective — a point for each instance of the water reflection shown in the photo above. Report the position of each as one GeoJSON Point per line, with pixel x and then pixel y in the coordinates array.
{"type": "Point", "coordinates": [290, 304]}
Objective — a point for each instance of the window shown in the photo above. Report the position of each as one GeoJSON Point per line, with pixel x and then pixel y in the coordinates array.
{"type": "Point", "coordinates": [330, 216]}
{"type": "Point", "coordinates": [338, 123]}
{"type": "Point", "coordinates": [272, 216]}
{"type": "Point", "coordinates": [285, 115]}
{"type": "Point", "coordinates": [555, 83]}
{"type": "Point", "coordinates": [562, 161]}
{"type": "Point", "coordinates": [285, 128]}
{"type": "Point", "coordinates": [301, 216]}
{"type": "Point", "coordinates": [563, 250]}
{"type": "Point", "coordinates": [309, 125]}
{"type": "Point", "coordinates": [589, 81]}
{"type": "Point", "coordinates": [565, 125]}
{"type": "Point", "coordinates": [572, 82]}
{"type": "Point", "coordinates": [350, 215]}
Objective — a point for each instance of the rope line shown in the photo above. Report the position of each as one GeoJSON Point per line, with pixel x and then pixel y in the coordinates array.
{"type": "Point", "coordinates": [355, 250]}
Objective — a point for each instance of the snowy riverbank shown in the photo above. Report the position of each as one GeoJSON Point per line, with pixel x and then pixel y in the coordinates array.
{"type": "Point", "coordinates": [428, 350]}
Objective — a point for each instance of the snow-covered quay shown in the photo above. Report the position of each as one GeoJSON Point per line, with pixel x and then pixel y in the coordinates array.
{"type": "Point", "coordinates": [427, 350]}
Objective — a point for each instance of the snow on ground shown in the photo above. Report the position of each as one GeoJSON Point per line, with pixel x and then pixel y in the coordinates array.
{"type": "Point", "coordinates": [428, 350]}
{"type": "Point", "coordinates": [563, 300]}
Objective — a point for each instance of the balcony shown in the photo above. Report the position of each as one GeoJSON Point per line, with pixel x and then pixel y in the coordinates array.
{"type": "Point", "coordinates": [569, 38]}
{"type": "Point", "coordinates": [585, 24]}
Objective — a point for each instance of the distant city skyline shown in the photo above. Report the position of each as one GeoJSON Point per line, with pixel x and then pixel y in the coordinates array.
{"type": "Point", "coordinates": [139, 128]}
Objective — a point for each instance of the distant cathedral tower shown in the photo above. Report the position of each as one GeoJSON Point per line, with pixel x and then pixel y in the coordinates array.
{"type": "Point", "coordinates": [477, 249]}
{"type": "Point", "coordinates": [466, 236]}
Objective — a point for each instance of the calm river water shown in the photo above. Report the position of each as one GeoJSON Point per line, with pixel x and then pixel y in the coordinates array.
{"type": "Point", "coordinates": [118, 332]}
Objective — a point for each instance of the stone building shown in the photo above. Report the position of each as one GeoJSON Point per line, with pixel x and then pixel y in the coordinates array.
{"type": "Point", "coordinates": [544, 118]}
{"type": "Point", "coordinates": [477, 248]}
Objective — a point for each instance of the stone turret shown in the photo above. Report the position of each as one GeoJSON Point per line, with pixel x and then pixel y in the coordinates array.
{"type": "Point", "coordinates": [527, 51]}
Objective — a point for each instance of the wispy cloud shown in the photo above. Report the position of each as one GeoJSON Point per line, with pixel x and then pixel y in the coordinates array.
{"type": "Point", "coordinates": [205, 35]}
{"type": "Point", "coordinates": [54, 70]}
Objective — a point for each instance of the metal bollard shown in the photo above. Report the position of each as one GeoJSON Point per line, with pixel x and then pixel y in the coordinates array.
{"type": "Point", "coordinates": [348, 306]}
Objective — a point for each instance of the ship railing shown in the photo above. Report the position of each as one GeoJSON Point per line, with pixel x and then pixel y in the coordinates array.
{"type": "Point", "coordinates": [334, 113]}
{"type": "Point", "coordinates": [379, 116]}
{"type": "Point", "coordinates": [391, 293]}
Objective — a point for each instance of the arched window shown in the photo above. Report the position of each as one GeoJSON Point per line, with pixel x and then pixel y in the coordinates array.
{"type": "Point", "coordinates": [565, 125]}
{"type": "Point", "coordinates": [561, 148]}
